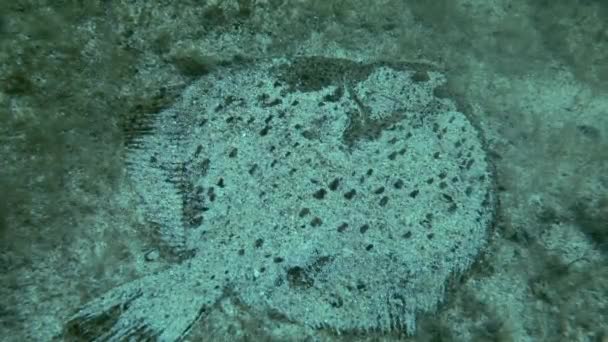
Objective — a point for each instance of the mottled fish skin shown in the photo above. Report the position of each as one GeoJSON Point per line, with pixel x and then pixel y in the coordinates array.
{"type": "Point", "coordinates": [159, 307]}
{"type": "Point", "coordinates": [342, 195]}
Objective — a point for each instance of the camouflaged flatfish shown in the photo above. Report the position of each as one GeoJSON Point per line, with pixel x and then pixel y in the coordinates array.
{"type": "Point", "coordinates": [338, 194]}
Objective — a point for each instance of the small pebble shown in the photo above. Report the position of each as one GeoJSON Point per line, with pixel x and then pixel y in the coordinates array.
{"type": "Point", "coordinates": [152, 255]}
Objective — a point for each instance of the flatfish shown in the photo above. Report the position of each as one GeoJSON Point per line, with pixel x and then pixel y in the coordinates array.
{"type": "Point", "coordinates": [338, 194]}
